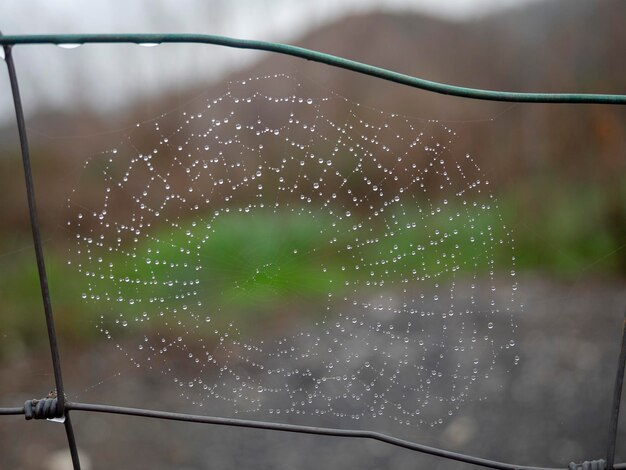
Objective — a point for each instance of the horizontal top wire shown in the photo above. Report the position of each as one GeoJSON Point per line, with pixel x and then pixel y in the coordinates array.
{"type": "Point", "coordinates": [316, 56]}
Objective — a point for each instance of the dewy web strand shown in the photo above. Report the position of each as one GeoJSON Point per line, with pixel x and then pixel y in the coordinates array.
{"type": "Point", "coordinates": [281, 251]}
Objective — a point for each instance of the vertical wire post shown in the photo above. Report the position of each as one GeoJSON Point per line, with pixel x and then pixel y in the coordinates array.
{"type": "Point", "coordinates": [617, 397]}
{"type": "Point", "coordinates": [41, 267]}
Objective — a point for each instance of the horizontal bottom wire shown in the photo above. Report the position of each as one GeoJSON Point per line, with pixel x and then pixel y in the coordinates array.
{"type": "Point", "coordinates": [353, 433]}
{"type": "Point", "coordinates": [16, 410]}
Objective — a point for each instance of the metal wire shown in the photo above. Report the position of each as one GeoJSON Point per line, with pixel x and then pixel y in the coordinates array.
{"type": "Point", "coordinates": [42, 409]}
{"type": "Point", "coordinates": [41, 266]}
{"type": "Point", "coordinates": [320, 431]}
{"type": "Point", "coordinates": [15, 410]}
{"type": "Point", "coordinates": [617, 397]}
{"type": "Point", "coordinates": [64, 407]}
{"type": "Point", "coordinates": [32, 209]}
{"type": "Point", "coordinates": [321, 57]}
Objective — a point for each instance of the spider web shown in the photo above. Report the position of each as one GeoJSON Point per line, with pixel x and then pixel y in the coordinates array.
{"type": "Point", "coordinates": [281, 250]}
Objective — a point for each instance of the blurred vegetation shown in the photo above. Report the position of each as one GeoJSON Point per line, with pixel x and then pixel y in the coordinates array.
{"type": "Point", "coordinates": [269, 262]}
{"type": "Point", "coordinates": [559, 172]}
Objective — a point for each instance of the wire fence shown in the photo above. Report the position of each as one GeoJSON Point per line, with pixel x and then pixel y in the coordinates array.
{"type": "Point", "coordinates": [56, 406]}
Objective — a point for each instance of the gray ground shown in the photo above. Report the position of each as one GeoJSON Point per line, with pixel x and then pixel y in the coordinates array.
{"type": "Point", "coordinates": [550, 409]}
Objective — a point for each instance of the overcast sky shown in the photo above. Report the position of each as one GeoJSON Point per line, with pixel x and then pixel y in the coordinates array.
{"type": "Point", "coordinates": [100, 77]}
{"type": "Point", "coordinates": [240, 17]}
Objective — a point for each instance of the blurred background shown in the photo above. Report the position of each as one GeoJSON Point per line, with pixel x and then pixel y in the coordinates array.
{"type": "Point", "coordinates": [558, 173]}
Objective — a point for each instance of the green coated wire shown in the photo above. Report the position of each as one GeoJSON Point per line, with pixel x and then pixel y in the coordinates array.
{"type": "Point", "coordinates": [316, 56]}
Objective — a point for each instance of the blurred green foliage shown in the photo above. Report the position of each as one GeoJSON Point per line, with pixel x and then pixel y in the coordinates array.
{"type": "Point", "coordinates": [257, 266]}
